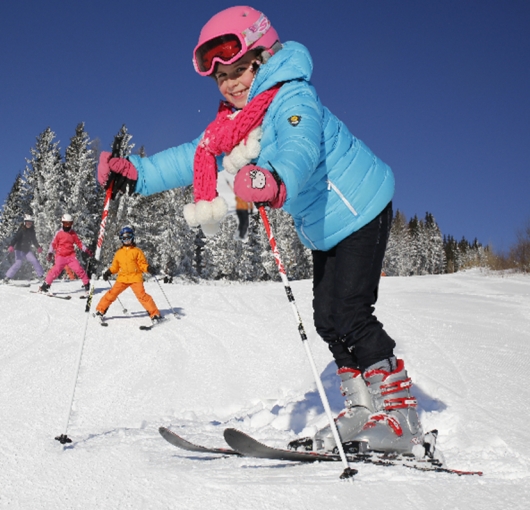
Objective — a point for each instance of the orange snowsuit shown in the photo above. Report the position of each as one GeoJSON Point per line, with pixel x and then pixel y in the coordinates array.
{"type": "Point", "coordinates": [241, 205]}
{"type": "Point", "coordinates": [130, 264]}
{"type": "Point", "coordinates": [70, 273]}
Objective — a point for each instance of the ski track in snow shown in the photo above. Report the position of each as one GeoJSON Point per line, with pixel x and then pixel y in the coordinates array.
{"type": "Point", "coordinates": [235, 359]}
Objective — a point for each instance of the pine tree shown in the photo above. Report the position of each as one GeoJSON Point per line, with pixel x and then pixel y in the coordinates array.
{"type": "Point", "coordinates": [296, 259]}
{"type": "Point", "coordinates": [161, 230]}
{"type": "Point", "coordinates": [219, 254]}
{"type": "Point", "coordinates": [397, 261]}
{"type": "Point", "coordinates": [181, 253]}
{"type": "Point", "coordinates": [82, 194]}
{"type": "Point", "coordinates": [435, 256]}
{"type": "Point", "coordinates": [451, 254]}
{"type": "Point", "coordinates": [250, 268]}
{"type": "Point", "coordinates": [11, 216]}
{"type": "Point", "coordinates": [417, 246]}
{"type": "Point", "coordinates": [44, 183]}
{"type": "Point", "coordinates": [13, 211]}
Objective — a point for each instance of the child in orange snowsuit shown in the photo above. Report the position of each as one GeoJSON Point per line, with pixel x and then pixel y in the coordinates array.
{"type": "Point", "coordinates": [243, 210]}
{"type": "Point", "coordinates": [130, 264]}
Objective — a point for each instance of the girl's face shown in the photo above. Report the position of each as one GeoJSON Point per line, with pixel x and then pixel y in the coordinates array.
{"type": "Point", "coordinates": [234, 80]}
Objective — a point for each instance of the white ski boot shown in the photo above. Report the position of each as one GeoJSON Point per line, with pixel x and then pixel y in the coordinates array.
{"type": "Point", "coordinates": [357, 411]}
{"type": "Point", "coordinates": [395, 425]}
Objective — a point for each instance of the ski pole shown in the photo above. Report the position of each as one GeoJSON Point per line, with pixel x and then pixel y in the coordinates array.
{"type": "Point", "coordinates": [101, 235]}
{"type": "Point", "coordinates": [348, 471]}
{"type": "Point", "coordinates": [63, 438]}
{"type": "Point", "coordinates": [176, 314]}
{"type": "Point", "coordinates": [118, 298]}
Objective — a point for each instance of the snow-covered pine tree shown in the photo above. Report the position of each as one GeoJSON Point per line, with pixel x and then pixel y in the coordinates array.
{"type": "Point", "coordinates": [219, 254]}
{"type": "Point", "coordinates": [162, 232]}
{"type": "Point", "coordinates": [451, 254]}
{"type": "Point", "coordinates": [471, 254]}
{"type": "Point", "coordinates": [178, 252]}
{"type": "Point", "coordinates": [480, 254]}
{"type": "Point", "coordinates": [250, 268]}
{"type": "Point", "coordinates": [397, 261]}
{"type": "Point", "coordinates": [296, 259]}
{"type": "Point", "coordinates": [418, 246]}
{"type": "Point", "coordinates": [13, 211]}
{"type": "Point", "coordinates": [44, 180]}
{"type": "Point", "coordinates": [11, 217]}
{"type": "Point", "coordinates": [435, 255]}
{"type": "Point", "coordinates": [463, 254]}
{"type": "Point", "coordinates": [81, 188]}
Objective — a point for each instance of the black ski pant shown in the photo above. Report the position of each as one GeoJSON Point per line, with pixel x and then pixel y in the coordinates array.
{"type": "Point", "coordinates": [345, 285]}
{"type": "Point", "coordinates": [242, 215]}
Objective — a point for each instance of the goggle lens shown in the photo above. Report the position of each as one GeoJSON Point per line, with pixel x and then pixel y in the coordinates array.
{"type": "Point", "coordinates": [225, 49]}
{"type": "Point", "coordinates": [68, 223]}
{"type": "Point", "coordinates": [126, 237]}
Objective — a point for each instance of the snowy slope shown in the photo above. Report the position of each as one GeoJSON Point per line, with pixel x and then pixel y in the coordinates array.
{"type": "Point", "coordinates": [235, 359]}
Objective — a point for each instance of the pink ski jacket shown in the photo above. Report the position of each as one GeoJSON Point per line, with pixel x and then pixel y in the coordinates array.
{"type": "Point", "coordinates": [63, 243]}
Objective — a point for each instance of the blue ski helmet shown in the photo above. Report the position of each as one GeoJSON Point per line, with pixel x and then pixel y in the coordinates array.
{"type": "Point", "coordinates": [127, 234]}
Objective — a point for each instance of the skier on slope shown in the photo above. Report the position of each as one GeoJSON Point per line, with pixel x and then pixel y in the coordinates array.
{"type": "Point", "coordinates": [62, 246]}
{"type": "Point", "coordinates": [129, 263]}
{"type": "Point", "coordinates": [243, 211]}
{"type": "Point", "coordinates": [21, 243]}
{"type": "Point", "coordinates": [290, 151]}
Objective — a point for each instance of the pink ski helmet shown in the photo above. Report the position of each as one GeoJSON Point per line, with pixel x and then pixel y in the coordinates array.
{"type": "Point", "coordinates": [229, 35]}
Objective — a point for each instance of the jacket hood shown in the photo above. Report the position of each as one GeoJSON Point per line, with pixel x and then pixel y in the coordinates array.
{"type": "Point", "coordinates": [292, 62]}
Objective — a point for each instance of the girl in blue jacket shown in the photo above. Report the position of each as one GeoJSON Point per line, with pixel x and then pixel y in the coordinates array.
{"type": "Point", "coordinates": [288, 150]}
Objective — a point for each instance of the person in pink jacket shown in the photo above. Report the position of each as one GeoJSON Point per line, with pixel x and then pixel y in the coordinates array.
{"type": "Point", "coordinates": [62, 246]}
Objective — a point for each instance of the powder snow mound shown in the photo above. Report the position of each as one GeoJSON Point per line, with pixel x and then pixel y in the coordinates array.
{"type": "Point", "coordinates": [236, 360]}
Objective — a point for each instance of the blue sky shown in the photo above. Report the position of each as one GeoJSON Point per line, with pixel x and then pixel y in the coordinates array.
{"type": "Point", "coordinates": [440, 90]}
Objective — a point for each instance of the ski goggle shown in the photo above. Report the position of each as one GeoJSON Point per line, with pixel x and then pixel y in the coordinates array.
{"type": "Point", "coordinates": [67, 223]}
{"type": "Point", "coordinates": [126, 237]}
{"type": "Point", "coordinates": [227, 49]}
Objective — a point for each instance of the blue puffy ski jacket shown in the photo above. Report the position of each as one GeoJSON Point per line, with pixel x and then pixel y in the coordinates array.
{"type": "Point", "coordinates": [335, 184]}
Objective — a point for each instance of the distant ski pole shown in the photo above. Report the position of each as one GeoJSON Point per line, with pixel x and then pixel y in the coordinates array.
{"type": "Point", "coordinates": [348, 471]}
{"type": "Point", "coordinates": [124, 310]}
{"type": "Point", "coordinates": [176, 314]}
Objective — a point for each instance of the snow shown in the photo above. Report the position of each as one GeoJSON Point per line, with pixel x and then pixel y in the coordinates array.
{"type": "Point", "coordinates": [235, 359]}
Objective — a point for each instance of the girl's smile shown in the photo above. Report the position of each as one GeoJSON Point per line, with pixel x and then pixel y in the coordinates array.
{"type": "Point", "coordinates": [234, 80]}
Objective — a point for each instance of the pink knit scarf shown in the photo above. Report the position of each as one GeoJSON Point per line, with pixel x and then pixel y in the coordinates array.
{"type": "Point", "coordinates": [221, 136]}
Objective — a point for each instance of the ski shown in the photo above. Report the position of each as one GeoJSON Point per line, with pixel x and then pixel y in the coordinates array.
{"type": "Point", "coordinates": [100, 319]}
{"type": "Point", "coordinates": [236, 436]}
{"type": "Point", "coordinates": [250, 447]}
{"type": "Point", "coordinates": [182, 443]}
{"type": "Point", "coordinates": [18, 284]}
{"type": "Point", "coordinates": [152, 325]}
{"type": "Point", "coordinates": [246, 446]}
{"type": "Point", "coordinates": [49, 294]}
